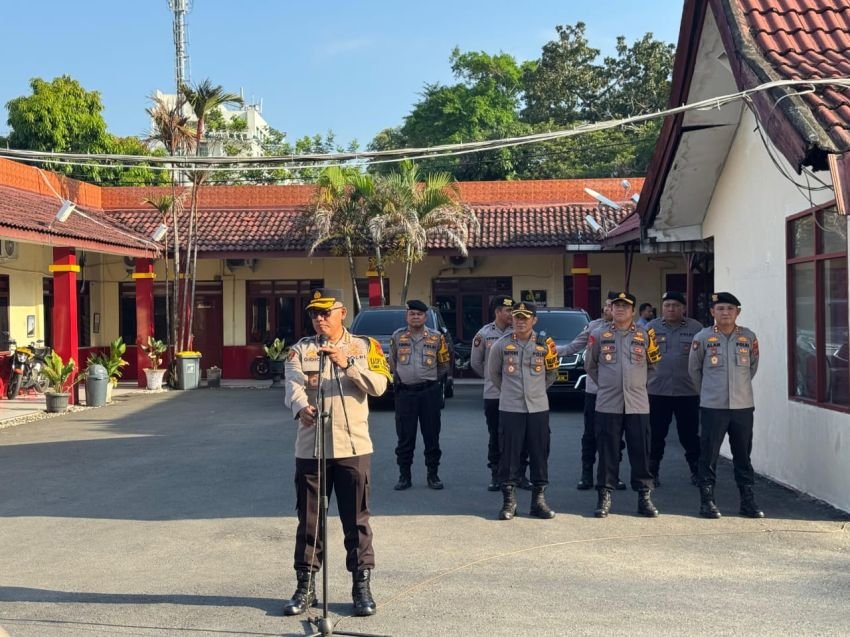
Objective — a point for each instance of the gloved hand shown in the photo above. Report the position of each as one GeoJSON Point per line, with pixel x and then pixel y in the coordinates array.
{"type": "Point", "coordinates": [653, 353]}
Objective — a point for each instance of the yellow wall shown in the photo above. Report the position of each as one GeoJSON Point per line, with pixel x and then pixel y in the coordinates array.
{"type": "Point", "coordinates": [26, 284]}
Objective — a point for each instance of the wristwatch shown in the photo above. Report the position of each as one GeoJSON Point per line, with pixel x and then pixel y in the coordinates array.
{"type": "Point", "coordinates": [349, 362]}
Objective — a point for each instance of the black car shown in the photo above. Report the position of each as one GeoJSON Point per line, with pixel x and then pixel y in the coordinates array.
{"type": "Point", "coordinates": [381, 322]}
{"type": "Point", "coordinates": [563, 324]}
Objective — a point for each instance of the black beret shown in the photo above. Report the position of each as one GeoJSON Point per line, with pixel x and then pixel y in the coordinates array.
{"type": "Point", "coordinates": [417, 305]}
{"type": "Point", "coordinates": [502, 301]}
{"type": "Point", "coordinates": [324, 298]}
{"type": "Point", "coordinates": [524, 309]}
{"type": "Point", "coordinates": [725, 297]}
{"type": "Point", "coordinates": [625, 297]}
{"type": "Point", "coordinates": [674, 296]}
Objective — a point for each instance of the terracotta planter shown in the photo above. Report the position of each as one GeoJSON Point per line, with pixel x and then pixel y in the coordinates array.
{"type": "Point", "coordinates": [154, 377]}
{"type": "Point", "coordinates": [56, 403]}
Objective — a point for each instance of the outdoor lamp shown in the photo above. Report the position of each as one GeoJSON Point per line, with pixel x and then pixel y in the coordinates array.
{"type": "Point", "coordinates": [159, 233]}
{"type": "Point", "coordinates": [65, 211]}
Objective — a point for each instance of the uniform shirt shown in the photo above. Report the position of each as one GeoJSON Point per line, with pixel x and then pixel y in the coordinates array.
{"type": "Point", "coordinates": [616, 361]}
{"type": "Point", "coordinates": [722, 367]}
{"type": "Point", "coordinates": [481, 345]}
{"type": "Point", "coordinates": [418, 358]}
{"type": "Point", "coordinates": [347, 432]}
{"type": "Point", "coordinates": [578, 344]}
{"type": "Point", "coordinates": [518, 372]}
{"type": "Point", "coordinates": [671, 377]}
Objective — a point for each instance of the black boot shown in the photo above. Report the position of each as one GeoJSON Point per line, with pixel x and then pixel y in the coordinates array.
{"type": "Point", "coordinates": [655, 470]}
{"type": "Point", "coordinates": [304, 595]}
{"type": "Point", "coordinates": [361, 594]}
{"type": "Point", "coordinates": [434, 481]}
{"type": "Point", "coordinates": [749, 508]}
{"type": "Point", "coordinates": [494, 485]}
{"type": "Point", "coordinates": [404, 480]}
{"type": "Point", "coordinates": [586, 482]}
{"type": "Point", "coordinates": [694, 474]}
{"type": "Point", "coordinates": [645, 506]}
{"type": "Point", "coordinates": [603, 504]}
{"type": "Point", "coordinates": [508, 502]}
{"type": "Point", "coordinates": [707, 507]}
{"type": "Point", "coordinates": [539, 508]}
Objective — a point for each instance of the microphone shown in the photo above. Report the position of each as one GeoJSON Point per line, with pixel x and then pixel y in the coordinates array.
{"type": "Point", "coordinates": [322, 341]}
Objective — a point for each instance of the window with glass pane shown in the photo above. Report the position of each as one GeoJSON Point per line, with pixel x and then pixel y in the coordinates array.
{"type": "Point", "coordinates": [819, 321]}
{"type": "Point", "coordinates": [276, 310]}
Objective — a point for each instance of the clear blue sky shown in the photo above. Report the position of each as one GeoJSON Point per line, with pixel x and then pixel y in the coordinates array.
{"type": "Point", "coordinates": [354, 66]}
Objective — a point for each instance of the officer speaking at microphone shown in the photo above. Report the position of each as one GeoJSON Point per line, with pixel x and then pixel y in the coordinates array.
{"type": "Point", "coordinates": [419, 357]}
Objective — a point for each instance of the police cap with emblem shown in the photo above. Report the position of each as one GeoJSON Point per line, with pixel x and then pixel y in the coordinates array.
{"type": "Point", "coordinates": [724, 297]}
{"type": "Point", "coordinates": [524, 309]}
{"type": "Point", "coordinates": [502, 301]}
{"type": "Point", "coordinates": [324, 298]}
{"type": "Point", "coordinates": [622, 297]}
{"type": "Point", "coordinates": [417, 305]}
{"type": "Point", "coordinates": [674, 296]}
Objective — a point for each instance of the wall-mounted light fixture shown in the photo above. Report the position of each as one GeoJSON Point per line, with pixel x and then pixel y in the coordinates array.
{"type": "Point", "coordinates": [65, 211]}
{"type": "Point", "coordinates": [159, 233]}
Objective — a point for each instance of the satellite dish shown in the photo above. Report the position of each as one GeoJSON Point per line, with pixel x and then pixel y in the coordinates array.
{"type": "Point", "coordinates": [602, 199]}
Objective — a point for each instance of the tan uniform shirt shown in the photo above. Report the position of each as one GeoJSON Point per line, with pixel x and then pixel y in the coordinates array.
{"type": "Point", "coordinates": [418, 358]}
{"type": "Point", "coordinates": [617, 363]}
{"type": "Point", "coordinates": [347, 432]}
{"type": "Point", "coordinates": [481, 345]}
{"type": "Point", "coordinates": [722, 367]}
{"type": "Point", "coordinates": [578, 344]}
{"type": "Point", "coordinates": [518, 371]}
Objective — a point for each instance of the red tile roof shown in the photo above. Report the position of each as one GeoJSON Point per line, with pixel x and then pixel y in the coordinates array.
{"type": "Point", "coordinates": [27, 216]}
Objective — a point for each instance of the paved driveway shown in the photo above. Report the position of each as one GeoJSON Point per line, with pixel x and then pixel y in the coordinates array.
{"type": "Point", "coordinates": [172, 514]}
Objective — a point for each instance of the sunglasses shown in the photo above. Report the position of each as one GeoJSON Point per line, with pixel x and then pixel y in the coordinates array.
{"type": "Point", "coordinates": [314, 314]}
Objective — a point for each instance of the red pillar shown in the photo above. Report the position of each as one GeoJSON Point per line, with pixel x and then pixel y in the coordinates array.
{"type": "Point", "coordinates": [374, 284]}
{"type": "Point", "coordinates": [144, 276]}
{"type": "Point", "coordinates": [580, 272]}
{"type": "Point", "coordinates": [65, 341]}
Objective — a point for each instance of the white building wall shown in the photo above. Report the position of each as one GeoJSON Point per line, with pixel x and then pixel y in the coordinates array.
{"type": "Point", "coordinates": [805, 447]}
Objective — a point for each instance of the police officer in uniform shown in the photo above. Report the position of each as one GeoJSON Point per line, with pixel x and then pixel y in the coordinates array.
{"type": "Point", "coordinates": [588, 437]}
{"type": "Point", "coordinates": [350, 368]}
{"type": "Point", "coordinates": [522, 366]}
{"type": "Point", "coordinates": [620, 357]}
{"type": "Point", "coordinates": [502, 324]}
{"type": "Point", "coordinates": [419, 357]}
{"type": "Point", "coordinates": [724, 359]}
{"type": "Point", "coordinates": [671, 390]}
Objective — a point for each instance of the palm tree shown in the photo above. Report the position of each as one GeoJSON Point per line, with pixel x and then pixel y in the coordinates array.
{"type": "Point", "coordinates": [203, 98]}
{"type": "Point", "coordinates": [427, 210]}
{"type": "Point", "coordinates": [166, 204]}
{"type": "Point", "coordinates": [339, 217]}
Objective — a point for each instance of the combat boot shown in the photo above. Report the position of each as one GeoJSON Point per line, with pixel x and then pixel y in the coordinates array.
{"type": "Point", "coordinates": [603, 504]}
{"type": "Point", "coordinates": [645, 506]}
{"type": "Point", "coordinates": [434, 481]}
{"type": "Point", "coordinates": [361, 594]}
{"type": "Point", "coordinates": [539, 508]}
{"type": "Point", "coordinates": [404, 479]}
{"type": "Point", "coordinates": [749, 508]}
{"type": "Point", "coordinates": [707, 507]}
{"type": "Point", "coordinates": [304, 595]}
{"type": "Point", "coordinates": [494, 485]}
{"type": "Point", "coordinates": [586, 482]}
{"type": "Point", "coordinates": [508, 502]}
{"type": "Point", "coordinates": [694, 473]}
{"type": "Point", "coordinates": [655, 470]}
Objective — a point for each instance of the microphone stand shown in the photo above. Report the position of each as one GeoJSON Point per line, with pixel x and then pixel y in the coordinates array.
{"type": "Point", "coordinates": [324, 626]}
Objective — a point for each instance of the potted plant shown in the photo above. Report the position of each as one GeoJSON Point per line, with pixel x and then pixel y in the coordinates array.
{"type": "Point", "coordinates": [154, 349]}
{"type": "Point", "coordinates": [276, 353]}
{"type": "Point", "coordinates": [113, 362]}
{"type": "Point", "coordinates": [60, 375]}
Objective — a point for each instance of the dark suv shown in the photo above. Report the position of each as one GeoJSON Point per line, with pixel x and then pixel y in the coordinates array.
{"type": "Point", "coordinates": [381, 322]}
{"type": "Point", "coordinates": [563, 324]}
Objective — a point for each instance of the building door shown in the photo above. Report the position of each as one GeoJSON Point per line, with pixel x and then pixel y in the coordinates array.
{"type": "Point", "coordinates": [703, 287]}
{"type": "Point", "coordinates": [594, 294]}
{"type": "Point", "coordinates": [465, 302]}
{"type": "Point", "coordinates": [208, 321]}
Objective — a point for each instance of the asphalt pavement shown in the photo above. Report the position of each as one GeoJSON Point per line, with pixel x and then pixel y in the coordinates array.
{"type": "Point", "coordinates": [173, 514]}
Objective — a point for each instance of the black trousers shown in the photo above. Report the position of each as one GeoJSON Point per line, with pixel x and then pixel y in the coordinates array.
{"type": "Point", "coordinates": [609, 434]}
{"type": "Point", "coordinates": [661, 412]}
{"type": "Point", "coordinates": [714, 425]}
{"type": "Point", "coordinates": [420, 406]}
{"type": "Point", "coordinates": [350, 479]}
{"type": "Point", "coordinates": [518, 431]}
{"type": "Point", "coordinates": [588, 437]}
{"type": "Point", "coordinates": [491, 415]}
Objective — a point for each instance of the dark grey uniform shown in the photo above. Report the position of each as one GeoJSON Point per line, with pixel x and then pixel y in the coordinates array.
{"type": "Point", "coordinates": [518, 370]}
{"type": "Point", "coordinates": [481, 345]}
{"type": "Point", "coordinates": [722, 368]}
{"type": "Point", "coordinates": [617, 362]}
{"type": "Point", "coordinates": [672, 392]}
{"type": "Point", "coordinates": [418, 361]}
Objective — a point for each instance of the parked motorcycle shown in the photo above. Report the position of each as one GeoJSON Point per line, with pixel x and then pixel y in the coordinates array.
{"type": "Point", "coordinates": [261, 368]}
{"type": "Point", "coordinates": [27, 366]}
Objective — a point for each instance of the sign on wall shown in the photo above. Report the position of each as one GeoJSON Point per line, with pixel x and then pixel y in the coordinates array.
{"type": "Point", "coordinates": [538, 297]}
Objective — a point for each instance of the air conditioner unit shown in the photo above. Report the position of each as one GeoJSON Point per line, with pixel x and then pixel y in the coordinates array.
{"type": "Point", "coordinates": [462, 262]}
{"type": "Point", "coordinates": [232, 264]}
{"type": "Point", "coordinates": [8, 249]}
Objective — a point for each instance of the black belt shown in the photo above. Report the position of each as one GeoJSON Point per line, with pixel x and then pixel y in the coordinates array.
{"type": "Point", "coordinates": [416, 386]}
